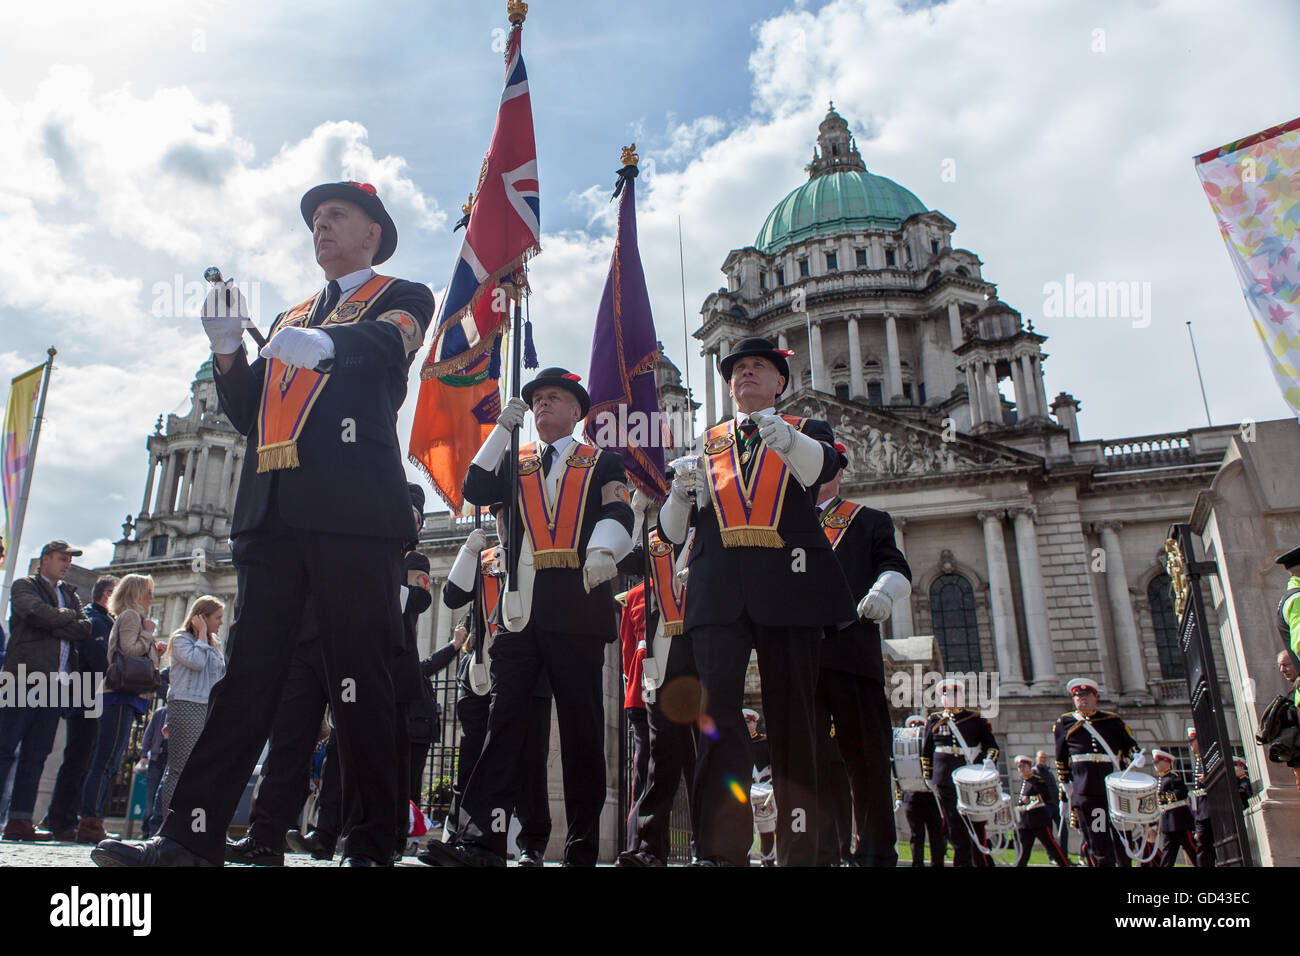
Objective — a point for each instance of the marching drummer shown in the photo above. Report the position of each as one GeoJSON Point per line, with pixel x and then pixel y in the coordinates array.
{"type": "Point", "coordinates": [1035, 822]}
{"type": "Point", "coordinates": [954, 738]}
{"type": "Point", "coordinates": [1090, 744]}
{"type": "Point", "coordinates": [923, 815]}
{"type": "Point", "coordinates": [762, 796]}
{"type": "Point", "coordinates": [1201, 805]}
{"type": "Point", "coordinates": [1176, 823]}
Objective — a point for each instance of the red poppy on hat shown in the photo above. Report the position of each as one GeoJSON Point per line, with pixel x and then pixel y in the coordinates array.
{"type": "Point", "coordinates": [841, 447]}
{"type": "Point", "coordinates": [364, 187]}
{"type": "Point", "coordinates": [573, 377]}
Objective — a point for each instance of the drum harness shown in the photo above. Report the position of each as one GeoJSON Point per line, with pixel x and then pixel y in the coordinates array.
{"type": "Point", "coordinates": [1140, 853]}
{"type": "Point", "coordinates": [970, 753]}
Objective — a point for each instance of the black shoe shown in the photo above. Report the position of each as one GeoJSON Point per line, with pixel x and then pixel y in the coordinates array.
{"type": "Point", "coordinates": [253, 852]}
{"type": "Point", "coordinates": [639, 859]}
{"type": "Point", "coordinates": [459, 854]}
{"type": "Point", "coordinates": [320, 847]}
{"type": "Point", "coordinates": [530, 858]}
{"type": "Point", "coordinates": [361, 861]}
{"type": "Point", "coordinates": [156, 851]}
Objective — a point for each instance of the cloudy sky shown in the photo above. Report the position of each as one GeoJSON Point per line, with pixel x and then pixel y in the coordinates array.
{"type": "Point", "coordinates": [147, 141]}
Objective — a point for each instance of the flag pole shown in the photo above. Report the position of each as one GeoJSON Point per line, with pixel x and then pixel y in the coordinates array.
{"type": "Point", "coordinates": [686, 340]}
{"type": "Point", "coordinates": [20, 512]}
{"type": "Point", "coordinates": [1197, 360]}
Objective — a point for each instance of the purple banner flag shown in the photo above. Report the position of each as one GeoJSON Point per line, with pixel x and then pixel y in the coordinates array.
{"type": "Point", "coordinates": [625, 415]}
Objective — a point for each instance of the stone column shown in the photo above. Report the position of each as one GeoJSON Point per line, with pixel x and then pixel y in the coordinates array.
{"type": "Point", "coordinates": [187, 489]}
{"type": "Point", "coordinates": [724, 347]}
{"type": "Point", "coordinates": [1032, 406]}
{"type": "Point", "coordinates": [223, 501]}
{"type": "Point", "coordinates": [201, 476]}
{"type": "Point", "coordinates": [148, 485]}
{"type": "Point", "coordinates": [818, 359]}
{"type": "Point", "coordinates": [1031, 586]}
{"type": "Point", "coordinates": [993, 399]}
{"type": "Point", "coordinates": [973, 395]}
{"type": "Point", "coordinates": [1005, 637]}
{"type": "Point", "coordinates": [710, 406]}
{"type": "Point", "coordinates": [857, 388]}
{"type": "Point", "coordinates": [954, 323]}
{"type": "Point", "coordinates": [893, 370]}
{"type": "Point", "coordinates": [1132, 672]}
{"type": "Point", "coordinates": [166, 490]}
{"type": "Point", "coordinates": [1023, 401]}
{"type": "Point", "coordinates": [901, 618]}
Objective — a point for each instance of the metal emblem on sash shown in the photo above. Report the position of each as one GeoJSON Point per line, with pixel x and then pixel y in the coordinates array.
{"type": "Point", "coordinates": [660, 548]}
{"type": "Point", "coordinates": [715, 446]}
{"type": "Point", "coordinates": [529, 465]}
{"type": "Point", "coordinates": [345, 313]}
{"type": "Point", "coordinates": [580, 461]}
{"type": "Point", "coordinates": [836, 521]}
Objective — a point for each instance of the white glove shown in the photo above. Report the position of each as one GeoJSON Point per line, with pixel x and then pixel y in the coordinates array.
{"type": "Point", "coordinates": [776, 432]}
{"type": "Point", "coordinates": [990, 765]}
{"type": "Point", "coordinates": [598, 569]}
{"type": "Point", "coordinates": [686, 482]}
{"type": "Point", "coordinates": [476, 542]}
{"type": "Point", "coordinates": [302, 348]}
{"type": "Point", "coordinates": [1140, 760]}
{"type": "Point", "coordinates": [876, 606]}
{"type": "Point", "coordinates": [512, 415]}
{"type": "Point", "coordinates": [640, 502]}
{"type": "Point", "coordinates": [223, 321]}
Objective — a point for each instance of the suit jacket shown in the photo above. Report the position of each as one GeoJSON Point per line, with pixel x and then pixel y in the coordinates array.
{"type": "Point", "coordinates": [560, 603]}
{"type": "Point", "coordinates": [866, 550]}
{"type": "Point", "coordinates": [762, 582]}
{"type": "Point", "coordinates": [408, 685]}
{"type": "Point", "coordinates": [37, 626]}
{"type": "Point", "coordinates": [340, 486]}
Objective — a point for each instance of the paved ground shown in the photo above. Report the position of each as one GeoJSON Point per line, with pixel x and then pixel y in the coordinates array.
{"type": "Point", "coordinates": [72, 854]}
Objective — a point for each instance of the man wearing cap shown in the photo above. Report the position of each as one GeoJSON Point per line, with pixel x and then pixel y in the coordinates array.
{"type": "Point", "coordinates": [574, 521]}
{"type": "Point", "coordinates": [322, 509]}
{"type": "Point", "coordinates": [46, 624]}
{"type": "Point", "coordinates": [1176, 823]}
{"type": "Point", "coordinates": [954, 738]}
{"type": "Point", "coordinates": [1090, 744]}
{"type": "Point", "coordinates": [763, 576]}
{"type": "Point", "coordinates": [1205, 854]}
{"type": "Point", "coordinates": [924, 817]}
{"type": "Point", "coordinates": [1035, 821]}
{"type": "Point", "coordinates": [851, 682]}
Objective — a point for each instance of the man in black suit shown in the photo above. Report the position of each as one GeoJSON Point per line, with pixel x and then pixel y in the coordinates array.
{"type": "Point", "coordinates": [574, 520]}
{"type": "Point", "coordinates": [851, 684]}
{"type": "Point", "coordinates": [322, 510]}
{"type": "Point", "coordinates": [763, 576]}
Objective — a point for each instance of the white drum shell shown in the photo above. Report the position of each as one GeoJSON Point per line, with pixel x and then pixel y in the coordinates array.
{"type": "Point", "coordinates": [764, 804]}
{"type": "Point", "coordinates": [1133, 800]}
{"type": "Point", "coordinates": [907, 758]}
{"type": "Point", "coordinates": [1004, 820]}
{"type": "Point", "coordinates": [979, 794]}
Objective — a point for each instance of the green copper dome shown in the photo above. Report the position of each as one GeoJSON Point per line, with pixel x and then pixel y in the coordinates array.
{"type": "Point", "coordinates": [204, 373]}
{"type": "Point", "coordinates": [834, 203]}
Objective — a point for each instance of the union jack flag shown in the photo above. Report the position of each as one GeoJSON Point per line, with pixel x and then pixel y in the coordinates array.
{"type": "Point", "coordinates": [503, 232]}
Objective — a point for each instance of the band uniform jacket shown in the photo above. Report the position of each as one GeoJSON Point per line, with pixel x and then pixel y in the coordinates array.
{"type": "Point", "coordinates": [941, 753]}
{"type": "Point", "coordinates": [764, 582]}
{"type": "Point", "coordinates": [1202, 812]}
{"type": "Point", "coordinates": [1036, 798]}
{"type": "Point", "coordinates": [866, 550]}
{"type": "Point", "coordinates": [350, 479]}
{"type": "Point", "coordinates": [1086, 776]}
{"type": "Point", "coordinates": [560, 603]}
{"type": "Point", "coordinates": [1175, 809]}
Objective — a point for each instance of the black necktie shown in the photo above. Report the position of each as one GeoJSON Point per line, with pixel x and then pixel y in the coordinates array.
{"type": "Point", "coordinates": [749, 431]}
{"type": "Point", "coordinates": [332, 296]}
{"type": "Point", "coordinates": [548, 456]}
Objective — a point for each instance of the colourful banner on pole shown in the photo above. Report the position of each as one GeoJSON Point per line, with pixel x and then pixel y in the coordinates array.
{"type": "Point", "coordinates": [1254, 187]}
{"type": "Point", "coordinates": [453, 416]}
{"type": "Point", "coordinates": [16, 440]}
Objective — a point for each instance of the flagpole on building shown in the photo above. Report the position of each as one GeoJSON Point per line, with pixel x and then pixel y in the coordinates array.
{"type": "Point", "coordinates": [20, 511]}
{"type": "Point", "coordinates": [1197, 360]}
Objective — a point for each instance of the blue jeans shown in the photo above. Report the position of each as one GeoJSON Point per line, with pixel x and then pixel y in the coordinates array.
{"type": "Point", "coordinates": [114, 731]}
{"type": "Point", "coordinates": [33, 728]}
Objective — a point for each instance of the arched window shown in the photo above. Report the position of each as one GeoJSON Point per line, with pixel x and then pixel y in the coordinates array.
{"type": "Point", "coordinates": [1165, 622]}
{"type": "Point", "coordinates": [952, 610]}
{"type": "Point", "coordinates": [961, 271]}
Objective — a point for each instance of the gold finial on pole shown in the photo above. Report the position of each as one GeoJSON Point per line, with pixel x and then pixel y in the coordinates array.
{"type": "Point", "coordinates": [516, 10]}
{"type": "Point", "coordinates": [468, 205]}
{"type": "Point", "coordinates": [630, 157]}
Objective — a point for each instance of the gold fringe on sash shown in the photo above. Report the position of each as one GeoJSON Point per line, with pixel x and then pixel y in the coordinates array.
{"type": "Point", "coordinates": [751, 538]}
{"type": "Point", "coordinates": [555, 559]}
{"type": "Point", "coordinates": [280, 455]}
{"type": "Point", "coordinates": [672, 628]}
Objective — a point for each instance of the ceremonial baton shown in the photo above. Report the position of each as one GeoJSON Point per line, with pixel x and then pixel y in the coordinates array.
{"type": "Point", "coordinates": [213, 275]}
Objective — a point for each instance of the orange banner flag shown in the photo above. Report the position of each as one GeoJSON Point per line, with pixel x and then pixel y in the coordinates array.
{"type": "Point", "coordinates": [453, 415]}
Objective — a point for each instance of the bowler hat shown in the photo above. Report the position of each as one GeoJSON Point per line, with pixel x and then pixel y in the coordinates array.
{"type": "Point", "coordinates": [560, 378]}
{"type": "Point", "coordinates": [364, 195]}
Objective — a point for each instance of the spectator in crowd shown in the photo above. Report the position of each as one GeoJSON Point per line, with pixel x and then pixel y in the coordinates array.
{"type": "Point", "coordinates": [82, 723]}
{"type": "Point", "coordinates": [197, 663]}
{"type": "Point", "coordinates": [153, 761]}
{"type": "Point", "coordinates": [47, 626]}
{"type": "Point", "coordinates": [132, 636]}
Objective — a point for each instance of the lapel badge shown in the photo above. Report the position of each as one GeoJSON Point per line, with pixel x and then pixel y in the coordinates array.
{"type": "Point", "coordinates": [715, 446]}
{"type": "Point", "coordinates": [529, 465]}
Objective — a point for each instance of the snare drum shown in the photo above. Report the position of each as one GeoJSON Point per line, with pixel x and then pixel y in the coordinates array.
{"type": "Point", "coordinates": [1133, 801]}
{"type": "Point", "coordinates": [978, 792]}
{"type": "Point", "coordinates": [1005, 819]}
{"type": "Point", "coordinates": [907, 758]}
{"type": "Point", "coordinates": [763, 800]}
